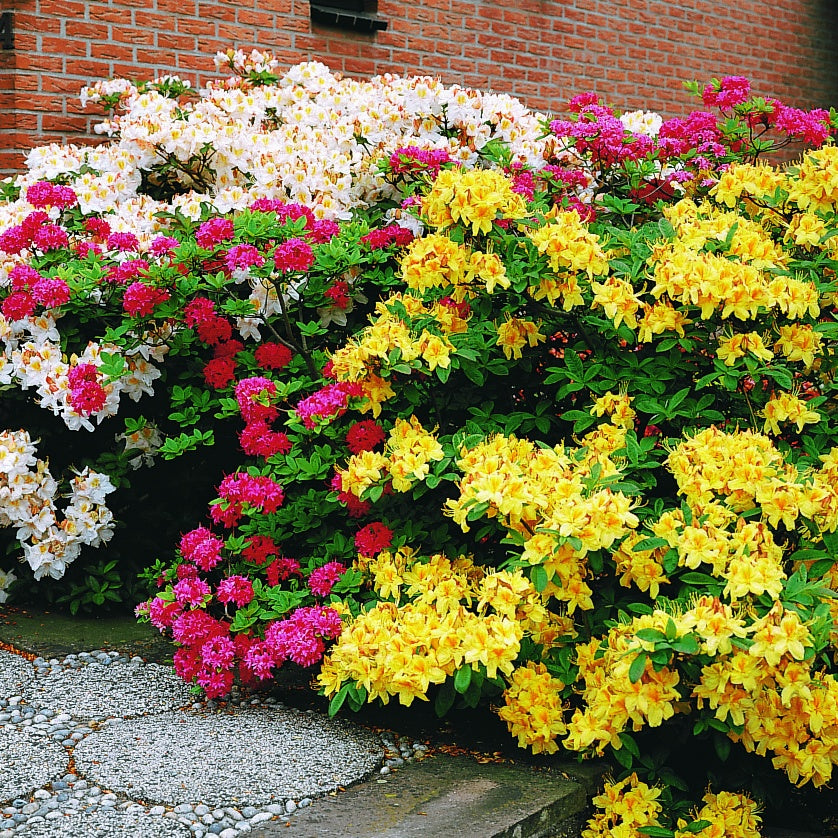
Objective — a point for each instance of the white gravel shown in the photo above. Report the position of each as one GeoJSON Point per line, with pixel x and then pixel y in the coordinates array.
{"type": "Point", "coordinates": [247, 757]}
{"type": "Point", "coordinates": [100, 823]}
{"type": "Point", "coordinates": [27, 761]}
{"type": "Point", "coordinates": [100, 691]}
{"type": "Point", "coordinates": [151, 762]}
{"type": "Point", "coordinates": [15, 673]}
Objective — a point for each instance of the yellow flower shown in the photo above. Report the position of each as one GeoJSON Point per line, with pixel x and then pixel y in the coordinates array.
{"type": "Point", "coordinates": [570, 246]}
{"type": "Point", "coordinates": [514, 334]}
{"type": "Point", "coordinates": [798, 342]}
{"type": "Point", "coordinates": [474, 198]}
{"type": "Point", "coordinates": [533, 709]}
{"type": "Point", "coordinates": [787, 407]}
{"type": "Point", "coordinates": [738, 345]}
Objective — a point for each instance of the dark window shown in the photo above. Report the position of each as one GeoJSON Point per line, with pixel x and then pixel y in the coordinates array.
{"type": "Point", "coordinates": [360, 15]}
{"type": "Point", "coordinates": [7, 30]}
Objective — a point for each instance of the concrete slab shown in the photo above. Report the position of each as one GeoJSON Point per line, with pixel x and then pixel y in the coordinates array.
{"type": "Point", "coordinates": [446, 796]}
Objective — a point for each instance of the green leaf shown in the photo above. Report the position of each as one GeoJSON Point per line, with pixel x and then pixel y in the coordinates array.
{"type": "Point", "coordinates": [721, 745]}
{"type": "Point", "coordinates": [687, 645]}
{"type": "Point", "coordinates": [538, 577]}
{"type": "Point", "coordinates": [629, 744]}
{"type": "Point", "coordinates": [338, 699]}
{"type": "Point", "coordinates": [623, 757]}
{"type": "Point", "coordinates": [656, 832]}
{"type": "Point", "coordinates": [651, 635]}
{"type": "Point", "coordinates": [637, 668]}
{"type": "Point", "coordinates": [444, 698]}
{"type": "Point", "coordinates": [462, 679]}
{"type": "Point", "coordinates": [651, 543]}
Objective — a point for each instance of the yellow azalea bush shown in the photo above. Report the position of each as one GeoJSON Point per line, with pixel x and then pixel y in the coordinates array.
{"type": "Point", "coordinates": [635, 415]}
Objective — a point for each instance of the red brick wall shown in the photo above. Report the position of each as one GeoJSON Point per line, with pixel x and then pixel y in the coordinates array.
{"type": "Point", "coordinates": [634, 52]}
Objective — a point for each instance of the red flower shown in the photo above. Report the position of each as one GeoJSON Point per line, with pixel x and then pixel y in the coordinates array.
{"type": "Point", "coordinates": [273, 356]}
{"type": "Point", "coordinates": [364, 436]}
{"type": "Point", "coordinates": [219, 372]}
{"type": "Point", "coordinates": [373, 538]}
{"type": "Point", "coordinates": [260, 548]}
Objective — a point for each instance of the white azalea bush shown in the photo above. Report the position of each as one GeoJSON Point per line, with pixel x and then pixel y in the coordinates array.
{"type": "Point", "coordinates": [81, 223]}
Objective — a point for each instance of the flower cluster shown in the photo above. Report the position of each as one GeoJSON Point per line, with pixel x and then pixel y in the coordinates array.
{"type": "Point", "coordinates": [401, 650]}
{"type": "Point", "coordinates": [28, 495]}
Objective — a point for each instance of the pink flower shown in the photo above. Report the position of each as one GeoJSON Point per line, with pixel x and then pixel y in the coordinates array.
{"type": "Point", "coordinates": [23, 277]}
{"type": "Point", "coordinates": [17, 305]}
{"type": "Point", "coordinates": [50, 237]}
{"type": "Point", "coordinates": [373, 538]}
{"type": "Point", "coordinates": [122, 242]}
{"type": "Point", "coordinates": [199, 310]}
{"type": "Point", "coordinates": [51, 293]}
{"type": "Point", "coordinates": [300, 637]}
{"type": "Point", "coordinates": [162, 613]}
{"type": "Point", "coordinates": [322, 230]}
{"type": "Point", "coordinates": [258, 440]}
{"type": "Point", "coordinates": [162, 245]}
{"type": "Point", "coordinates": [260, 492]}
{"type": "Point", "coordinates": [14, 239]}
{"type": "Point", "coordinates": [260, 659]}
{"type": "Point", "coordinates": [187, 662]}
{"type": "Point", "coordinates": [413, 160]}
{"type": "Point", "coordinates": [323, 579]}
{"type": "Point", "coordinates": [218, 652]}
{"type": "Point", "coordinates": [730, 91]}
{"type": "Point", "coordinates": [84, 249]}
{"type": "Point", "coordinates": [253, 396]}
{"type": "Point", "coordinates": [330, 401]}
{"type": "Point", "coordinates": [810, 126]}
{"type": "Point", "coordinates": [216, 683]}
{"type": "Point", "coordinates": [202, 548]}
{"type": "Point", "coordinates": [193, 628]}
{"type": "Point", "coordinates": [87, 395]}
{"type": "Point", "coordinates": [235, 589]}
{"type": "Point", "coordinates": [213, 232]}
{"type": "Point", "coordinates": [45, 194]}
{"type": "Point", "coordinates": [186, 571]}
{"type": "Point", "coordinates": [582, 100]}
{"type": "Point", "coordinates": [294, 255]}
{"type": "Point", "coordinates": [243, 256]}
{"type": "Point", "coordinates": [124, 272]}
{"type": "Point", "coordinates": [191, 591]}
{"type": "Point", "coordinates": [140, 299]}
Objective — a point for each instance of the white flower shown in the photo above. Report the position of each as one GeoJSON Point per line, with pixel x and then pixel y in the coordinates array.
{"type": "Point", "coordinates": [642, 122]}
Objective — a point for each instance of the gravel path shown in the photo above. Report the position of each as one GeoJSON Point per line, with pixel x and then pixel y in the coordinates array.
{"type": "Point", "coordinates": [149, 762]}
{"type": "Point", "coordinates": [28, 761]}
{"type": "Point", "coordinates": [278, 754]}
